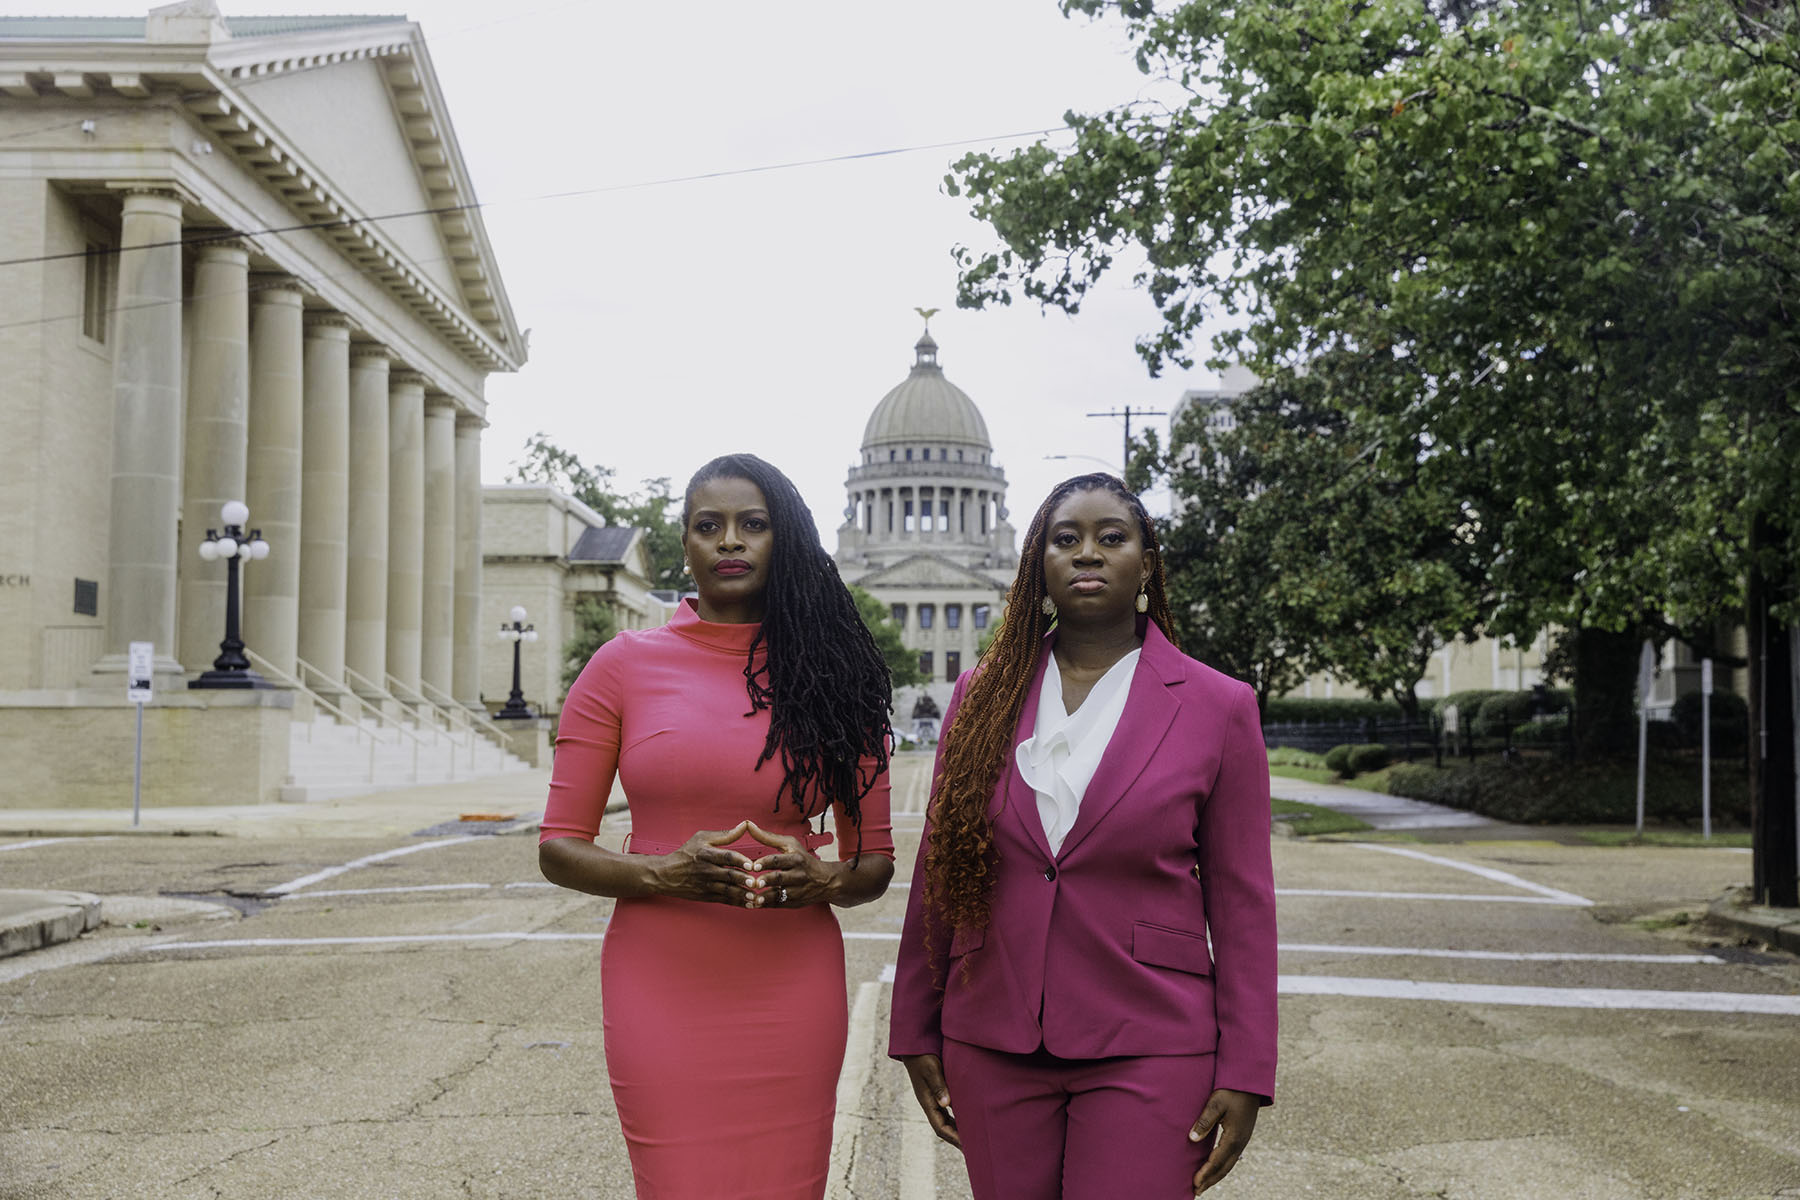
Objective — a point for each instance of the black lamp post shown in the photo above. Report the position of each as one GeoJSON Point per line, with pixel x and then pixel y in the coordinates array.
{"type": "Point", "coordinates": [231, 669]}
{"type": "Point", "coordinates": [516, 633]}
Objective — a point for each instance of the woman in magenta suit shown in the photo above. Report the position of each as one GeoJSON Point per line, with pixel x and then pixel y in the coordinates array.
{"type": "Point", "coordinates": [761, 705]}
{"type": "Point", "coordinates": [1085, 997]}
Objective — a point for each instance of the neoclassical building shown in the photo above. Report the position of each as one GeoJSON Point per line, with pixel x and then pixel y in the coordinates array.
{"type": "Point", "coordinates": [547, 552]}
{"type": "Point", "coordinates": [241, 261]}
{"type": "Point", "coordinates": [926, 530]}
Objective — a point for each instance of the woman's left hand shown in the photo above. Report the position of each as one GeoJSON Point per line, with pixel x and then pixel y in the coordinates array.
{"type": "Point", "coordinates": [792, 876]}
{"type": "Point", "coordinates": [1235, 1115]}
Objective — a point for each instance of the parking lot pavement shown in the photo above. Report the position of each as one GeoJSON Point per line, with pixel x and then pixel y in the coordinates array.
{"type": "Point", "coordinates": [418, 1014]}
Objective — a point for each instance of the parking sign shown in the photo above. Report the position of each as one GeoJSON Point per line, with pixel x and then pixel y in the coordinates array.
{"type": "Point", "coordinates": [137, 677]}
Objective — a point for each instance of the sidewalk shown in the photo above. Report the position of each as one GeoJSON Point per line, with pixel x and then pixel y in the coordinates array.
{"type": "Point", "coordinates": [395, 812]}
{"type": "Point", "coordinates": [1376, 808]}
{"type": "Point", "coordinates": [1773, 926]}
{"type": "Point", "coordinates": [31, 920]}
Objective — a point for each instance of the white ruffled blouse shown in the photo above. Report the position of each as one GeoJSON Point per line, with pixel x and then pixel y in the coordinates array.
{"type": "Point", "coordinates": [1059, 759]}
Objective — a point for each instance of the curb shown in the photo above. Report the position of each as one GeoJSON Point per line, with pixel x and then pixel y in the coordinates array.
{"type": "Point", "coordinates": [33, 920]}
{"type": "Point", "coordinates": [1778, 927]}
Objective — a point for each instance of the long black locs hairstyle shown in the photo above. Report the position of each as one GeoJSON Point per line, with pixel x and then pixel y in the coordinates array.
{"type": "Point", "coordinates": [822, 677]}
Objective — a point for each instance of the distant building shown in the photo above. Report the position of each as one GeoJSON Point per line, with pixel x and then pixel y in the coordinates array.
{"type": "Point", "coordinates": [926, 529]}
{"type": "Point", "coordinates": [547, 552]}
{"type": "Point", "coordinates": [246, 264]}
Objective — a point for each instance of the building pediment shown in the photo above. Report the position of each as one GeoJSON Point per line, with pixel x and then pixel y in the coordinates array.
{"type": "Point", "coordinates": [926, 571]}
{"type": "Point", "coordinates": [433, 256]}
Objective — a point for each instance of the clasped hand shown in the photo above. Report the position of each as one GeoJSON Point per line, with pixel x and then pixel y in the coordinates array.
{"type": "Point", "coordinates": [703, 869]}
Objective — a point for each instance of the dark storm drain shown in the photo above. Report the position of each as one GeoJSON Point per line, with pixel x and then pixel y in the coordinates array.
{"type": "Point", "coordinates": [248, 904]}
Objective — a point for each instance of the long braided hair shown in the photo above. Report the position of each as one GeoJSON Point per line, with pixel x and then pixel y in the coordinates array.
{"type": "Point", "coordinates": [959, 869]}
{"type": "Point", "coordinates": [823, 679]}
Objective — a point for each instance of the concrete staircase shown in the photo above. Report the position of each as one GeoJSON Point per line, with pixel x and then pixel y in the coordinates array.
{"type": "Point", "coordinates": [328, 759]}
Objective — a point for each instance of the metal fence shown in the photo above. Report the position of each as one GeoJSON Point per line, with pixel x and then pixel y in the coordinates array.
{"type": "Point", "coordinates": [1551, 734]}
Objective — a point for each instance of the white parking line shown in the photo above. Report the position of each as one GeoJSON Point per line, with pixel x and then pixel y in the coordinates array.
{"type": "Point", "coordinates": [1498, 876]}
{"type": "Point", "coordinates": [1478, 897]}
{"type": "Point", "coordinates": [49, 841]}
{"type": "Point", "coordinates": [1571, 901]}
{"type": "Point", "coordinates": [1496, 955]}
{"type": "Point", "coordinates": [1543, 997]}
{"type": "Point", "coordinates": [393, 939]}
{"type": "Point", "coordinates": [390, 891]}
{"type": "Point", "coordinates": [852, 1121]}
{"type": "Point", "coordinates": [294, 885]}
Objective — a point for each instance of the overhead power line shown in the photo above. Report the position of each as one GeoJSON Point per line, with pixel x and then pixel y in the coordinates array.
{"type": "Point", "coordinates": [202, 239]}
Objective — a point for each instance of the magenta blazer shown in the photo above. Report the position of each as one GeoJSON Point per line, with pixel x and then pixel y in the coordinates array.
{"type": "Point", "coordinates": [1108, 940]}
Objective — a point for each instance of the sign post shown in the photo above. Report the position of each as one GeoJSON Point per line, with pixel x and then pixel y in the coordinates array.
{"type": "Point", "coordinates": [1646, 673]}
{"type": "Point", "coordinates": [1706, 692]}
{"type": "Point", "coordinates": [138, 678]}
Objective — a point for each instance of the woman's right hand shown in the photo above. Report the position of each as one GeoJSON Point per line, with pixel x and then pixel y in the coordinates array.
{"type": "Point", "coordinates": [927, 1074]}
{"type": "Point", "coordinates": [702, 870]}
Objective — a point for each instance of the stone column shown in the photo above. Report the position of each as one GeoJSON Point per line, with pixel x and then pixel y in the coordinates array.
{"type": "Point", "coordinates": [140, 587]}
{"type": "Point", "coordinates": [465, 664]}
{"type": "Point", "coordinates": [406, 526]}
{"type": "Point", "coordinates": [272, 586]}
{"type": "Point", "coordinates": [438, 567]}
{"type": "Point", "coordinates": [325, 494]}
{"type": "Point", "coordinates": [218, 413]}
{"type": "Point", "coordinates": [366, 565]}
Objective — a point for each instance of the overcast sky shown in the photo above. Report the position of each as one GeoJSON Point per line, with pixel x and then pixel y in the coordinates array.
{"type": "Point", "coordinates": [769, 312]}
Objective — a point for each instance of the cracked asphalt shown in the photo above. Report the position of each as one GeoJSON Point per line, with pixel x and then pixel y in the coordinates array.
{"type": "Point", "coordinates": [1479, 1020]}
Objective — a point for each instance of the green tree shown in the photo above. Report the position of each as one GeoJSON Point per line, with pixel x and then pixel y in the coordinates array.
{"type": "Point", "coordinates": [1293, 550]}
{"type": "Point", "coordinates": [903, 664]}
{"type": "Point", "coordinates": [654, 508]}
{"type": "Point", "coordinates": [594, 627]}
{"type": "Point", "coordinates": [1562, 241]}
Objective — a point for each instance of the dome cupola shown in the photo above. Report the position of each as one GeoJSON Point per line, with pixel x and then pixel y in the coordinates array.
{"type": "Point", "coordinates": [926, 409]}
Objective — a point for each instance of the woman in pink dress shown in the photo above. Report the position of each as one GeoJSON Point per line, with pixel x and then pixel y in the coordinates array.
{"type": "Point", "coordinates": [759, 706]}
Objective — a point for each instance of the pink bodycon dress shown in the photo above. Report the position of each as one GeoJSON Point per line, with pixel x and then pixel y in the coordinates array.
{"type": "Point", "coordinates": [724, 1026]}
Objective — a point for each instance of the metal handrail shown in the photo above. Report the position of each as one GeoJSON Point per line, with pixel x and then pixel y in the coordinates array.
{"type": "Point", "coordinates": [494, 733]}
{"type": "Point", "coordinates": [455, 720]}
{"type": "Point", "coordinates": [269, 668]}
{"type": "Point", "coordinates": [382, 720]}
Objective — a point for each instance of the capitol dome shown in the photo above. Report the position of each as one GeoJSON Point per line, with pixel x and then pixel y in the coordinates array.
{"type": "Point", "coordinates": [925, 410]}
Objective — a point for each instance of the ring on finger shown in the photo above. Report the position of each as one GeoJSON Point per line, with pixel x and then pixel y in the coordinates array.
{"type": "Point", "coordinates": [781, 895]}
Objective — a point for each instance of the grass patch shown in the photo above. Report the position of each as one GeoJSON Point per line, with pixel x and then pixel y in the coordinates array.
{"type": "Point", "coordinates": [1547, 791]}
{"type": "Point", "coordinates": [1309, 820]}
{"type": "Point", "coordinates": [1289, 756]}
{"type": "Point", "coordinates": [1683, 838]}
{"type": "Point", "coordinates": [1310, 774]}
{"type": "Point", "coordinates": [1373, 781]}
{"type": "Point", "coordinates": [1662, 921]}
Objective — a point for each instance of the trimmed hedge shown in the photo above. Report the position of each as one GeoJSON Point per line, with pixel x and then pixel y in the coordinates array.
{"type": "Point", "coordinates": [1551, 731]}
{"type": "Point", "coordinates": [1730, 720]}
{"type": "Point", "coordinates": [1549, 793]}
{"type": "Point", "coordinates": [1371, 757]}
{"type": "Point", "coordinates": [1508, 710]}
{"type": "Point", "coordinates": [1338, 759]}
{"type": "Point", "coordinates": [1285, 709]}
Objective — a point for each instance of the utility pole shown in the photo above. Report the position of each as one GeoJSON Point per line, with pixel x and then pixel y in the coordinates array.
{"type": "Point", "coordinates": [1128, 412]}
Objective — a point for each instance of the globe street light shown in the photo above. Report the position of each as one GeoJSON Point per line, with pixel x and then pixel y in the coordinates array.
{"type": "Point", "coordinates": [516, 633]}
{"type": "Point", "coordinates": [231, 669]}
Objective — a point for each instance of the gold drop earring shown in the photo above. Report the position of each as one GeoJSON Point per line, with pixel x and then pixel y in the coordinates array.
{"type": "Point", "coordinates": [1143, 599]}
{"type": "Point", "coordinates": [1049, 607]}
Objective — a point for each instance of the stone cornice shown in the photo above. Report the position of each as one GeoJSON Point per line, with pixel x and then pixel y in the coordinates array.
{"type": "Point", "coordinates": [209, 81]}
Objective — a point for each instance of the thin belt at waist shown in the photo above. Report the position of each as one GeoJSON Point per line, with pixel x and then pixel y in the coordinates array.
{"type": "Point", "coordinates": [749, 847]}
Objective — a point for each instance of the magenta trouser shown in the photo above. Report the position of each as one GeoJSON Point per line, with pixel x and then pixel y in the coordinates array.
{"type": "Point", "coordinates": [1038, 1127]}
